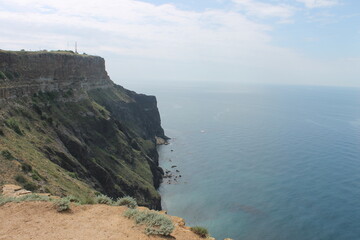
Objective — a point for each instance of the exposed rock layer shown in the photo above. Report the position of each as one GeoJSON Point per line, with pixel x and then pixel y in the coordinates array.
{"type": "Point", "coordinates": [24, 73]}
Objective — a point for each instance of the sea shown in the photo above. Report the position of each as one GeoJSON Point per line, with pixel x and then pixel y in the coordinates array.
{"type": "Point", "coordinates": [261, 162]}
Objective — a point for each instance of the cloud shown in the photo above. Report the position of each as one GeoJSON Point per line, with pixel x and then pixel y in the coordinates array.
{"type": "Point", "coordinates": [319, 3]}
{"type": "Point", "coordinates": [162, 42]}
{"type": "Point", "coordinates": [264, 10]}
{"type": "Point", "coordinates": [132, 28]}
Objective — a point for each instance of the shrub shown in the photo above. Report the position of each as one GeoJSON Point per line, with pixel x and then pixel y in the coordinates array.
{"type": "Point", "coordinates": [35, 175]}
{"type": "Point", "coordinates": [131, 213]}
{"type": "Point", "coordinates": [26, 167]}
{"type": "Point", "coordinates": [33, 197]}
{"type": "Point", "coordinates": [126, 201]}
{"type": "Point", "coordinates": [14, 125]}
{"type": "Point", "coordinates": [87, 200]}
{"type": "Point", "coordinates": [30, 186]}
{"type": "Point", "coordinates": [9, 75]}
{"type": "Point", "coordinates": [25, 198]}
{"type": "Point", "coordinates": [156, 223]}
{"type": "Point", "coordinates": [37, 109]}
{"type": "Point", "coordinates": [159, 224]}
{"type": "Point", "coordinates": [2, 75]}
{"type": "Point", "coordinates": [72, 198]}
{"type": "Point", "coordinates": [103, 199]}
{"type": "Point", "coordinates": [201, 231]}
{"type": "Point", "coordinates": [62, 204]}
{"type": "Point", "coordinates": [20, 179]}
{"type": "Point", "coordinates": [6, 154]}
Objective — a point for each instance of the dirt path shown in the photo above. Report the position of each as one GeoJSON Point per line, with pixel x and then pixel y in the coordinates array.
{"type": "Point", "coordinates": [40, 221]}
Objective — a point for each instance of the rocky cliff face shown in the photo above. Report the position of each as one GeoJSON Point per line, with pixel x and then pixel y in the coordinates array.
{"type": "Point", "coordinates": [24, 73]}
{"type": "Point", "coordinates": [65, 127]}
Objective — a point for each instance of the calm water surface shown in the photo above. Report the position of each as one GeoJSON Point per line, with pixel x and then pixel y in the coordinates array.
{"type": "Point", "coordinates": [263, 162]}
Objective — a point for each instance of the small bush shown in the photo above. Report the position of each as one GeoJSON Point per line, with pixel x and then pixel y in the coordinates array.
{"type": "Point", "coordinates": [87, 200]}
{"type": "Point", "coordinates": [131, 213]}
{"type": "Point", "coordinates": [14, 125]}
{"type": "Point", "coordinates": [156, 223]}
{"type": "Point", "coordinates": [25, 198]}
{"type": "Point", "coordinates": [2, 75]}
{"type": "Point", "coordinates": [6, 154]}
{"type": "Point", "coordinates": [73, 199]}
{"type": "Point", "coordinates": [35, 175]}
{"type": "Point", "coordinates": [103, 199]}
{"type": "Point", "coordinates": [37, 109]}
{"type": "Point", "coordinates": [126, 201]}
{"type": "Point", "coordinates": [50, 120]}
{"type": "Point", "coordinates": [30, 186]}
{"type": "Point", "coordinates": [201, 231]}
{"type": "Point", "coordinates": [26, 167]}
{"type": "Point", "coordinates": [62, 204]}
{"type": "Point", "coordinates": [9, 75]}
{"type": "Point", "coordinates": [33, 197]}
{"type": "Point", "coordinates": [68, 93]}
{"type": "Point", "coordinates": [73, 175]}
{"type": "Point", "coordinates": [20, 179]}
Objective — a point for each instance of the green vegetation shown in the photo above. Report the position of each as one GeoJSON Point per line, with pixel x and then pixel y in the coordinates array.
{"type": "Point", "coordinates": [8, 75]}
{"type": "Point", "coordinates": [33, 197]}
{"type": "Point", "coordinates": [25, 198]}
{"type": "Point", "coordinates": [103, 199]}
{"type": "Point", "coordinates": [26, 167]}
{"type": "Point", "coordinates": [156, 223]}
{"type": "Point", "coordinates": [73, 199]}
{"type": "Point", "coordinates": [201, 231]}
{"type": "Point", "coordinates": [20, 179]}
{"type": "Point", "coordinates": [62, 204]}
{"type": "Point", "coordinates": [25, 183]}
{"type": "Point", "coordinates": [7, 155]}
{"type": "Point", "coordinates": [67, 147]}
{"type": "Point", "coordinates": [126, 201]}
{"type": "Point", "coordinates": [14, 125]}
{"type": "Point", "coordinates": [2, 75]}
{"type": "Point", "coordinates": [36, 176]}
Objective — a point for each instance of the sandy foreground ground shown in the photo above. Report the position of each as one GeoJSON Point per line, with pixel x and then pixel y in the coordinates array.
{"type": "Point", "coordinates": [40, 221]}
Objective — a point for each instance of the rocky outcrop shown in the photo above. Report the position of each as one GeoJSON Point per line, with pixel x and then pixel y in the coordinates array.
{"type": "Point", "coordinates": [65, 127]}
{"type": "Point", "coordinates": [26, 73]}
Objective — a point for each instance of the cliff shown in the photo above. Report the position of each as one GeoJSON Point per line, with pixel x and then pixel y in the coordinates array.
{"type": "Point", "coordinates": [66, 128]}
{"type": "Point", "coordinates": [25, 73]}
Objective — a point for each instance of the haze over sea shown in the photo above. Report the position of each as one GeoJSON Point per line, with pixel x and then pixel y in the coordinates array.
{"type": "Point", "coordinates": [263, 162]}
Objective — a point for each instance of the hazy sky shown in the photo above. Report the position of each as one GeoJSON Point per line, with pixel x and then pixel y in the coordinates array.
{"type": "Point", "coordinates": [273, 41]}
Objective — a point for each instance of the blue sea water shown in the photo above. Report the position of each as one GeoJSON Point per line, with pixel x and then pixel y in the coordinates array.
{"type": "Point", "coordinates": [263, 162]}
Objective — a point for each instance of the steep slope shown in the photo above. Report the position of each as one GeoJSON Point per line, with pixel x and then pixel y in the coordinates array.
{"type": "Point", "coordinates": [66, 128]}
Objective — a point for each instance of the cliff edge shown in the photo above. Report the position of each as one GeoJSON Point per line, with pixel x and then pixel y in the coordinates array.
{"type": "Point", "coordinates": [67, 129]}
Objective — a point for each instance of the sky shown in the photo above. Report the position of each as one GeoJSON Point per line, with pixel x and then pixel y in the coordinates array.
{"type": "Point", "coordinates": [314, 42]}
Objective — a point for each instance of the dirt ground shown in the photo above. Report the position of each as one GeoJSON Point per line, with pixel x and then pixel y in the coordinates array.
{"type": "Point", "coordinates": [40, 221]}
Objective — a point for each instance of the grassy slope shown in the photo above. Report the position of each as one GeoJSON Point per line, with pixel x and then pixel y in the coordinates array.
{"type": "Point", "coordinates": [74, 148]}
